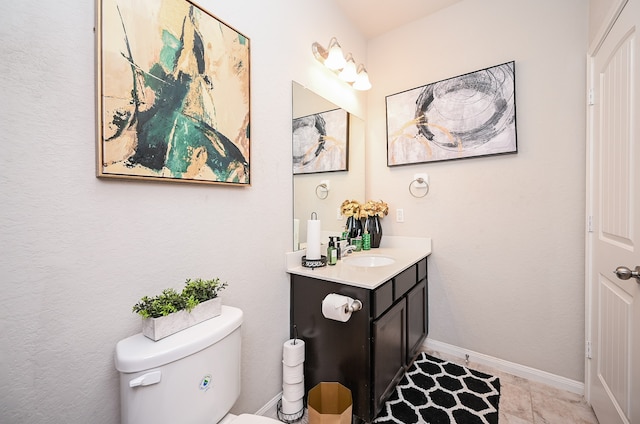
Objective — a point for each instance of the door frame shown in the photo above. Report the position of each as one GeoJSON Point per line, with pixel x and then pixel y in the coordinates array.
{"type": "Point", "coordinates": [594, 48]}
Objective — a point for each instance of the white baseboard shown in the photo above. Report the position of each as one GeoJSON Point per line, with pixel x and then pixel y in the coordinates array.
{"type": "Point", "coordinates": [523, 371]}
{"type": "Point", "coordinates": [271, 407]}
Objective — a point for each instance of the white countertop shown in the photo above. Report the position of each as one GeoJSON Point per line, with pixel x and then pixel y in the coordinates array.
{"type": "Point", "coordinates": [406, 251]}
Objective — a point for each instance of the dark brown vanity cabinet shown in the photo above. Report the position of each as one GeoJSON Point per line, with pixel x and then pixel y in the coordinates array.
{"type": "Point", "coordinates": [370, 352]}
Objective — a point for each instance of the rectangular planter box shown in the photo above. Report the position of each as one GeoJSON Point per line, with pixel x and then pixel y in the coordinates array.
{"type": "Point", "coordinates": [158, 328]}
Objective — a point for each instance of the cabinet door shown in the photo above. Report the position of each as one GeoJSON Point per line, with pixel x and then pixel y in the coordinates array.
{"type": "Point", "coordinates": [334, 350]}
{"type": "Point", "coordinates": [417, 321]}
{"type": "Point", "coordinates": [389, 352]}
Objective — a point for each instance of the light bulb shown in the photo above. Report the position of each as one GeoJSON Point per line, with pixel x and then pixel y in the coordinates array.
{"type": "Point", "coordinates": [335, 59]}
{"type": "Point", "coordinates": [362, 80]}
{"type": "Point", "coordinates": [349, 73]}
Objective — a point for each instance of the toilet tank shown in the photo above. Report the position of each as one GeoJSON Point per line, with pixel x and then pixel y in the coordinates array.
{"type": "Point", "coordinates": [190, 377]}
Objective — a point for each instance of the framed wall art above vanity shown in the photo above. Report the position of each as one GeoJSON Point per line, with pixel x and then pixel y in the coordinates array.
{"type": "Point", "coordinates": [467, 116]}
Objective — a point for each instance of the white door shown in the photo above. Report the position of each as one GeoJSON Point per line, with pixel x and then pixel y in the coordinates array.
{"type": "Point", "coordinates": [613, 372]}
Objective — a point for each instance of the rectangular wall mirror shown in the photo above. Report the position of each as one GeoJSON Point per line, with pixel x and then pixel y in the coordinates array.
{"type": "Point", "coordinates": [308, 194]}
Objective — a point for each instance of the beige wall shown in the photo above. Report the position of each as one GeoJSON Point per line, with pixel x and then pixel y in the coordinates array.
{"type": "Point", "coordinates": [76, 252]}
{"type": "Point", "coordinates": [599, 12]}
{"type": "Point", "coordinates": [507, 272]}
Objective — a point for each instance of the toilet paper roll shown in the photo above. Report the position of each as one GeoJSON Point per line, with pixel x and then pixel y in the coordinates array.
{"type": "Point", "coordinates": [314, 239]}
{"type": "Point", "coordinates": [293, 391]}
{"type": "Point", "coordinates": [293, 352]}
{"type": "Point", "coordinates": [334, 306]}
{"type": "Point", "coordinates": [292, 374]}
{"type": "Point", "coordinates": [291, 406]}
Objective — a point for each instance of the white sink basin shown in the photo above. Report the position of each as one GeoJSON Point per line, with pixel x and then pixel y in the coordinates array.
{"type": "Point", "coordinates": [368, 261]}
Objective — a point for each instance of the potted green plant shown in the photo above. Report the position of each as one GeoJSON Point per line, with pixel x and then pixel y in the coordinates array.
{"type": "Point", "coordinates": [170, 311]}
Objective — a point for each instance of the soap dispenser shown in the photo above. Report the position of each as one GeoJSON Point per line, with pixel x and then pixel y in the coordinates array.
{"type": "Point", "coordinates": [332, 253]}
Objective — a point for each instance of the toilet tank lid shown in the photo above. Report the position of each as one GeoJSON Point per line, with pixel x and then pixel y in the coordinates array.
{"type": "Point", "coordinates": [139, 353]}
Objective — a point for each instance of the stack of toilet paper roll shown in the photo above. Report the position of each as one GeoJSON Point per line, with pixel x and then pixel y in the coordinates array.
{"type": "Point", "coordinates": [293, 376]}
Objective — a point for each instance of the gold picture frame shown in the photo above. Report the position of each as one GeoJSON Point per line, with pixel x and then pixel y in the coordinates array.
{"type": "Point", "coordinates": [173, 94]}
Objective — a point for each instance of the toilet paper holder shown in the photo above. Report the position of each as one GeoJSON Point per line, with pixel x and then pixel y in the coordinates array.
{"type": "Point", "coordinates": [355, 306]}
{"type": "Point", "coordinates": [339, 307]}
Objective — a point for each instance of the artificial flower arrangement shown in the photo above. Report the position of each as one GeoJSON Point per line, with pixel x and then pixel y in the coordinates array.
{"type": "Point", "coordinates": [370, 208]}
{"type": "Point", "coordinates": [373, 208]}
{"type": "Point", "coordinates": [350, 208]}
{"type": "Point", "coordinates": [358, 222]}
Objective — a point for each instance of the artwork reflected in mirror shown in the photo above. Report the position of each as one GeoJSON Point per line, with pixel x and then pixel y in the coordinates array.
{"type": "Point", "coordinates": [348, 182]}
{"type": "Point", "coordinates": [320, 142]}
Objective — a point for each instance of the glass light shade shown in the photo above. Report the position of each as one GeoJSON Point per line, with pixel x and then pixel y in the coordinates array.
{"type": "Point", "coordinates": [362, 80]}
{"type": "Point", "coordinates": [335, 59]}
{"type": "Point", "coordinates": [349, 73]}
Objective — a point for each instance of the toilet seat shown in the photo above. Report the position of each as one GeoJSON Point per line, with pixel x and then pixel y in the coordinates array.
{"type": "Point", "coordinates": [253, 419]}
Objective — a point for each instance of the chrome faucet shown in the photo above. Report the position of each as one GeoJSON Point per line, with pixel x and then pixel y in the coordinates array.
{"type": "Point", "coordinates": [348, 249]}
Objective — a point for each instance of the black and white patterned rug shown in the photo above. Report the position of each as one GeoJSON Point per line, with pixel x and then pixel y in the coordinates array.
{"type": "Point", "coordinates": [434, 391]}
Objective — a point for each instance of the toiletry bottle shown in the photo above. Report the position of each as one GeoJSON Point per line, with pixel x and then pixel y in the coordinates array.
{"type": "Point", "coordinates": [366, 240]}
{"type": "Point", "coordinates": [338, 248]}
{"type": "Point", "coordinates": [332, 254]}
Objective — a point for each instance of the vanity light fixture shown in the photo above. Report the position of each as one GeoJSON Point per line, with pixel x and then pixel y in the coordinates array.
{"type": "Point", "coordinates": [349, 73]}
{"type": "Point", "coordinates": [333, 58]}
{"type": "Point", "coordinates": [362, 79]}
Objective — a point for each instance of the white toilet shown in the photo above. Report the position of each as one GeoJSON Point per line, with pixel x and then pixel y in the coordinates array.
{"type": "Point", "coordinates": [190, 377]}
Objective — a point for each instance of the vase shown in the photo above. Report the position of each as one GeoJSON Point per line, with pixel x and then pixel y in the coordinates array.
{"type": "Point", "coordinates": [158, 328]}
{"type": "Point", "coordinates": [354, 227]}
{"type": "Point", "coordinates": [374, 228]}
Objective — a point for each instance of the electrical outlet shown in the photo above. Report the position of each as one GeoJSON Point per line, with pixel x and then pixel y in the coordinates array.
{"type": "Point", "coordinates": [399, 215]}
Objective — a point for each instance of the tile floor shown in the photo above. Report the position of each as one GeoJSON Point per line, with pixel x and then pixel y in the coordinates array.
{"type": "Point", "coordinates": [524, 401]}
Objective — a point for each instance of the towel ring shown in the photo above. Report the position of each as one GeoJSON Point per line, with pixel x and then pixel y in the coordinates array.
{"type": "Point", "coordinates": [419, 181]}
{"type": "Point", "coordinates": [322, 191]}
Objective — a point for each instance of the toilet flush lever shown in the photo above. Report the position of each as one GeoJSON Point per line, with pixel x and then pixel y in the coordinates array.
{"type": "Point", "coordinates": [147, 379]}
